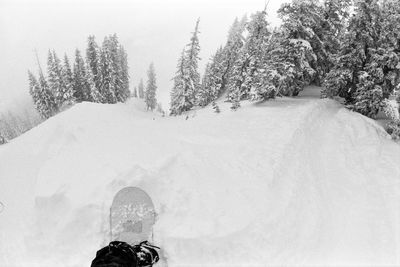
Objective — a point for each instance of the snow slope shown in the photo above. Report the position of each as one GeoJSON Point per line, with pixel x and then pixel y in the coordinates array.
{"type": "Point", "coordinates": [286, 182]}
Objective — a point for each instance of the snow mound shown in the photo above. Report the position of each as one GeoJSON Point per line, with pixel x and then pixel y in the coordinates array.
{"type": "Point", "coordinates": [291, 181]}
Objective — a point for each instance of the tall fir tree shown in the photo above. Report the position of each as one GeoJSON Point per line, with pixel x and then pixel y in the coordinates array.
{"type": "Point", "coordinates": [42, 95]}
{"type": "Point", "coordinates": [187, 78]}
{"type": "Point", "coordinates": [81, 79]}
{"type": "Point", "coordinates": [367, 67]}
{"type": "Point", "coordinates": [57, 81]}
{"type": "Point", "coordinates": [180, 97]}
{"type": "Point", "coordinates": [141, 89]}
{"type": "Point", "coordinates": [68, 80]}
{"type": "Point", "coordinates": [124, 93]}
{"type": "Point", "coordinates": [93, 64]}
{"type": "Point", "coordinates": [108, 73]}
{"type": "Point", "coordinates": [151, 87]}
{"type": "Point", "coordinates": [248, 67]}
{"type": "Point", "coordinates": [135, 92]}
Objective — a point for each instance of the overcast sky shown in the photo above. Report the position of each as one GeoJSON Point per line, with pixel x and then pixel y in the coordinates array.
{"type": "Point", "coordinates": [150, 30]}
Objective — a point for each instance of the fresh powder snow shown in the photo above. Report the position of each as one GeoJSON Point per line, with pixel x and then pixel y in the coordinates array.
{"type": "Point", "coordinates": [286, 182]}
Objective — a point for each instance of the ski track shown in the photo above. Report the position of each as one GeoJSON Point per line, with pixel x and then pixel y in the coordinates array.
{"type": "Point", "coordinates": [286, 182]}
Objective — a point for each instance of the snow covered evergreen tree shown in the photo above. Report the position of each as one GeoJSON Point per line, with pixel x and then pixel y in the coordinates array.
{"type": "Point", "coordinates": [68, 80]}
{"type": "Point", "coordinates": [249, 67]}
{"type": "Point", "coordinates": [180, 97]}
{"type": "Point", "coordinates": [93, 62]}
{"type": "Point", "coordinates": [135, 92]}
{"type": "Point", "coordinates": [367, 68]}
{"type": "Point", "coordinates": [212, 86]}
{"type": "Point", "coordinates": [42, 95]}
{"type": "Point", "coordinates": [226, 58]}
{"type": "Point", "coordinates": [108, 73]}
{"type": "Point", "coordinates": [203, 96]}
{"type": "Point", "coordinates": [151, 87]}
{"type": "Point", "coordinates": [141, 89]}
{"type": "Point", "coordinates": [81, 80]}
{"type": "Point", "coordinates": [57, 81]}
{"type": "Point", "coordinates": [124, 92]}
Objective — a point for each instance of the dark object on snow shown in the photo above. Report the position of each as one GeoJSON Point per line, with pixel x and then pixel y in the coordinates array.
{"type": "Point", "coordinates": [146, 254]}
{"type": "Point", "coordinates": [121, 254]}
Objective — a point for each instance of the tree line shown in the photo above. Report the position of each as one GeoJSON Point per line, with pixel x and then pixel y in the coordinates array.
{"type": "Point", "coordinates": [102, 77]}
{"type": "Point", "coordinates": [351, 48]}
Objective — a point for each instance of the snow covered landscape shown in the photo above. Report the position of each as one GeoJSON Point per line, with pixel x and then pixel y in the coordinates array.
{"type": "Point", "coordinates": [286, 182]}
{"type": "Point", "coordinates": [155, 133]}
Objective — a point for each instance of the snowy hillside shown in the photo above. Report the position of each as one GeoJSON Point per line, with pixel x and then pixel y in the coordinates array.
{"type": "Point", "coordinates": [290, 181]}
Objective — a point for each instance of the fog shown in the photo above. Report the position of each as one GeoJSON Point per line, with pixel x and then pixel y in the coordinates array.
{"type": "Point", "coordinates": [150, 30]}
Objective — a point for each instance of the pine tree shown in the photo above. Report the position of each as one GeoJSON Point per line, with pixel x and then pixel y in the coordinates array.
{"type": "Point", "coordinates": [135, 92]}
{"type": "Point", "coordinates": [124, 92]}
{"type": "Point", "coordinates": [367, 67]}
{"type": "Point", "coordinates": [141, 89]}
{"type": "Point", "coordinates": [108, 73]}
{"type": "Point", "coordinates": [93, 62]}
{"type": "Point", "coordinates": [81, 80]}
{"type": "Point", "coordinates": [57, 82]}
{"type": "Point", "coordinates": [180, 98]}
{"type": "Point", "coordinates": [150, 94]}
{"type": "Point", "coordinates": [203, 96]}
{"type": "Point", "coordinates": [226, 58]}
{"type": "Point", "coordinates": [249, 65]}
{"type": "Point", "coordinates": [187, 78]}
{"type": "Point", "coordinates": [68, 81]}
{"type": "Point", "coordinates": [42, 96]}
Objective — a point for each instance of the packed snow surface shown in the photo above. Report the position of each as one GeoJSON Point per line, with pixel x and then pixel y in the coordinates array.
{"type": "Point", "coordinates": [286, 182]}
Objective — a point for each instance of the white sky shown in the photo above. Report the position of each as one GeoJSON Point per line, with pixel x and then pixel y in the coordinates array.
{"type": "Point", "coordinates": [150, 30]}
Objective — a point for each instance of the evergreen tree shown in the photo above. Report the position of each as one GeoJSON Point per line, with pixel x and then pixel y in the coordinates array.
{"type": "Point", "coordinates": [57, 82]}
{"type": "Point", "coordinates": [191, 66]}
{"type": "Point", "coordinates": [367, 67]}
{"type": "Point", "coordinates": [226, 58]}
{"type": "Point", "coordinates": [42, 95]}
{"type": "Point", "coordinates": [68, 81]}
{"type": "Point", "coordinates": [135, 92]}
{"type": "Point", "coordinates": [180, 97]}
{"type": "Point", "coordinates": [203, 96]}
{"type": "Point", "coordinates": [81, 81]}
{"type": "Point", "coordinates": [150, 94]}
{"type": "Point", "coordinates": [93, 62]}
{"type": "Point", "coordinates": [141, 89]}
{"type": "Point", "coordinates": [108, 73]}
{"type": "Point", "coordinates": [249, 65]}
{"type": "Point", "coordinates": [187, 78]}
{"type": "Point", "coordinates": [124, 92]}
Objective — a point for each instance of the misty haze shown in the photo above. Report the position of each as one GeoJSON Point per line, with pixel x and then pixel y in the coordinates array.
{"type": "Point", "coordinates": [199, 133]}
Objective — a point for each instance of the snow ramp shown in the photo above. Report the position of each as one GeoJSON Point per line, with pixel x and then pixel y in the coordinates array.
{"type": "Point", "coordinates": [286, 182]}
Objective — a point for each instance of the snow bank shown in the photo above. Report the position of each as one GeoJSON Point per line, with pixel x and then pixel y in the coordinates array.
{"type": "Point", "coordinates": [291, 181]}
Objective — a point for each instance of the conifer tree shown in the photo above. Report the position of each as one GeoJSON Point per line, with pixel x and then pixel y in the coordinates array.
{"type": "Point", "coordinates": [203, 96]}
{"type": "Point", "coordinates": [81, 80]}
{"type": "Point", "coordinates": [93, 62]}
{"type": "Point", "coordinates": [151, 87]}
{"type": "Point", "coordinates": [227, 57]}
{"type": "Point", "coordinates": [180, 99]}
{"type": "Point", "coordinates": [57, 82]}
{"type": "Point", "coordinates": [135, 92]}
{"type": "Point", "coordinates": [187, 78]}
{"type": "Point", "coordinates": [108, 73]}
{"type": "Point", "coordinates": [68, 81]}
{"type": "Point", "coordinates": [124, 91]}
{"type": "Point", "coordinates": [141, 89]}
{"type": "Point", "coordinates": [42, 95]}
{"type": "Point", "coordinates": [191, 66]}
{"type": "Point", "coordinates": [249, 65]}
{"type": "Point", "coordinates": [367, 67]}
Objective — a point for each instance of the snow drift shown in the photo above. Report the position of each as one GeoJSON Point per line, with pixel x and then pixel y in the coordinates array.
{"type": "Point", "coordinates": [291, 181]}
